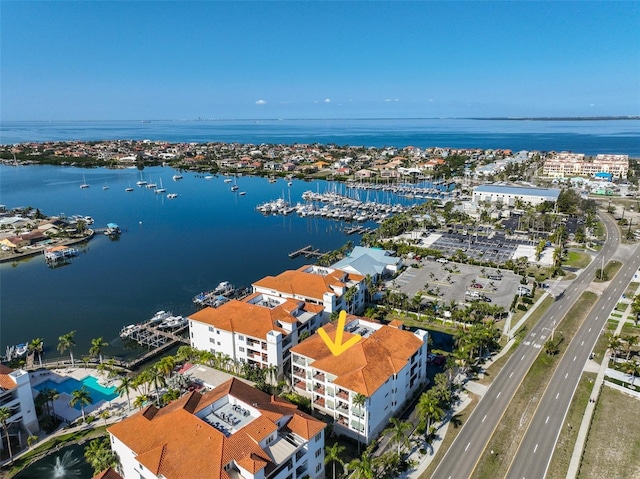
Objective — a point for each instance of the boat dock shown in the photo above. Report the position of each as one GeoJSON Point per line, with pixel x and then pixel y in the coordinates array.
{"type": "Point", "coordinates": [220, 295]}
{"type": "Point", "coordinates": [357, 229]}
{"type": "Point", "coordinates": [307, 251]}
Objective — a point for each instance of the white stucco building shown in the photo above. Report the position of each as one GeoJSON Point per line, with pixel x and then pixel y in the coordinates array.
{"type": "Point", "coordinates": [231, 432]}
{"type": "Point", "coordinates": [384, 369]}
{"type": "Point", "coordinates": [16, 395]}
{"type": "Point", "coordinates": [509, 195]}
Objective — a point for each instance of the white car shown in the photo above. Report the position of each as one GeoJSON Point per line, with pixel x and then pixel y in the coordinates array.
{"type": "Point", "coordinates": [443, 260]}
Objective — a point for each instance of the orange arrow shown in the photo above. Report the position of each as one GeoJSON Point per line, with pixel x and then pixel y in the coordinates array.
{"type": "Point", "coordinates": [337, 347]}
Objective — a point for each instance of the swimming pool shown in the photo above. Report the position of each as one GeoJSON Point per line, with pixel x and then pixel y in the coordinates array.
{"type": "Point", "coordinates": [96, 391]}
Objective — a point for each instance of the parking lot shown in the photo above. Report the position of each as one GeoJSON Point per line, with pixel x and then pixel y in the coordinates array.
{"type": "Point", "coordinates": [456, 281]}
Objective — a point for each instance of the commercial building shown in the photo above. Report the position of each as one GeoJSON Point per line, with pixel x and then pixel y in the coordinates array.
{"type": "Point", "coordinates": [373, 262]}
{"type": "Point", "coordinates": [362, 388]}
{"type": "Point", "coordinates": [233, 431]}
{"type": "Point", "coordinates": [511, 195]}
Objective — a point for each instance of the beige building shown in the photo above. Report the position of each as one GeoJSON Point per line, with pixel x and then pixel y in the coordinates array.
{"type": "Point", "coordinates": [566, 165]}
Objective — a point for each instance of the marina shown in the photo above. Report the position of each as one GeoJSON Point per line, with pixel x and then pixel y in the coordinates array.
{"type": "Point", "coordinates": [161, 329]}
{"type": "Point", "coordinates": [219, 295]}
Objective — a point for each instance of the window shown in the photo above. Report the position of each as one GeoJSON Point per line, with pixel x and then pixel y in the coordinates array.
{"type": "Point", "coordinates": [217, 332]}
{"type": "Point", "coordinates": [318, 452]}
{"type": "Point", "coordinates": [211, 329]}
{"type": "Point", "coordinates": [241, 349]}
{"type": "Point", "coordinates": [319, 467]}
{"type": "Point", "coordinates": [317, 438]}
{"type": "Point", "coordinates": [240, 338]}
{"type": "Point", "coordinates": [218, 343]}
{"type": "Point", "coordinates": [211, 340]}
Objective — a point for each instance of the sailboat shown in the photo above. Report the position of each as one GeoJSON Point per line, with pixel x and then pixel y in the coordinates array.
{"type": "Point", "coordinates": [161, 189]}
{"type": "Point", "coordinates": [84, 183]}
{"type": "Point", "coordinates": [128, 189]}
{"type": "Point", "coordinates": [235, 186]}
{"type": "Point", "coordinates": [141, 182]}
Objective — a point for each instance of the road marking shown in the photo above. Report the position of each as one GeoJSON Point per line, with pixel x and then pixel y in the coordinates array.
{"type": "Point", "coordinates": [537, 346]}
{"type": "Point", "coordinates": [527, 343]}
{"type": "Point", "coordinates": [566, 375]}
{"type": "Point", "coordinates": [522, 357]}
{"type": "Point", "coordinates": [465, 449]}
{"type": "Point", "coordinates": [543, 337]}
{"type": "Point", "coordinates": [582, 343]}
{"type": "Point", "coordinates": [533, 334]}
{"type": "Point", "coordinates": [485, 417]}
{"type": "Point", "coordinates": [597, 318]}
{"type": "Point", "coordinates": [535, 449]}
{"type": "Point", "coordinates": [547, 420]}
{"type": "Point", "coordinates": [498, 395]}
{"type": "Point", "coordinates": [589, 330]}
{"type": "Point", "coordinates": [574, 358]}
{"type": "Point", "coordinates": [511, 374]}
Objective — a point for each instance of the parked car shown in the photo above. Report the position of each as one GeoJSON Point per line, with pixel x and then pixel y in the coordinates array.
{"type": "Point", "coordinates": [443, 260]}
{"type": "Point", "coordinates": [495, 277]}
{"type": "Point", "coordinates": [476, 285]}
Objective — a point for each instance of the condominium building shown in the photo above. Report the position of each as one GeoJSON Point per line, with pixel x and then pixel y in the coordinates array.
{"type": "Point", "coordinates": [231, 432]}
{"type": "Point", "coordinates": [258, 330]}
{"type": "Point", "coordinates": [333, 289]}
{"type": "Point", "coordinates": [362, 388]}
{"type": "Point", "coordinates": [16, 395]}
{"type": "Point", "coordinates": [566, 165]}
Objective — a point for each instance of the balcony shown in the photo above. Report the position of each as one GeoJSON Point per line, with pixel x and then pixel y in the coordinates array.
{"type": "Point", "coordinates": [319, 376]}
{"type": "Point", "coordinates": [342, 394]}
{"type": "Point", "coordinates": [343, 408]}
{"type": "Point", "coordinates": [318, 388]}
{"type": "Point", "coordinates": [299, 360]}
{"type": "Point", "coordinates": [319, 401]}
{"type": "Point", "coordinates": [300, 454]}
{"type": "Point", "coordinates": [342, 421]}
{"type": "Point", "coordinates": [300, 385]}
{"type": "Point", "coordinates": [299, 372]}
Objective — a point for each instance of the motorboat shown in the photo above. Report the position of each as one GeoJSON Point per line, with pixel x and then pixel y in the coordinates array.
{"type": "Point", "coordinates": [173, 322]}
{"type": "Point", "coordinates": [177, 177]}
{"type": "Point", "coordinates": [172, 195]}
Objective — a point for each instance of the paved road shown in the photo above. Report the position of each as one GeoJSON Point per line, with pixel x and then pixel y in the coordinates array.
{"type": "Point", "coordinates": [466, 450]}
{"type": "Point", "coordinates": [536, 448]}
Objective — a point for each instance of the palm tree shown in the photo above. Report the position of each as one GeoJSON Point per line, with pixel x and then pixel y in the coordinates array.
{"type": "Point", "coordinates": [362, 468]}
{"type": "Point", "coordinates": [37, 346]}
{"type": "Point", "coordinates": [630, 341]}
{"type": "Point", "coordinates": [613, 343]}
{"type": "Point", "coordinates": [166, 365]}
{"type": "Point", "coordinates": [398, 431]}
{"type": "Point", "coordinates": [332, 454]}
{"type": "Point", "coordinates": [66, 342]}
{"type": "Point", "coordinates": [99, 454]}
{"type": "Point", "coordinates": [126, 384]}
{"type": "Point", "coordinates": [633, 368]}
{"type": "Point", "coordinates": [359, 400]}
{"type": "Point", "coordinates": [96, 348]}
{"type": "Point", "coordinates": [51, 395]}
{"type": "Point", "coordinates": [5, 414]}
{"type": "Point", "coordinates": [429, 409]}
{"type": "Point", "coordinates": [155, 377]}
{"type": "Point", "coordinates": [82, 397]}
{"type": "Point", "coordinates": [140, 401]}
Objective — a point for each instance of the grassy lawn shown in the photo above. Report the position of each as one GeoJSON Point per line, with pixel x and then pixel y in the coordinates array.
{"type": "Point", "coordinates": [610, 271]}
{"type": "Point", "coordinates": [452, 432]}
{"type": "Point", "coordinates": [601, 344]}
{"type": "Point", "coordinates": [616, 315]}
{"type": "Point", "coordinates": [577, 259]}
{"type": "Point", "coordinates": [613, 443]}
{"type": "Point", "coordinates": [631, 289]}
{"type": "Point", "coordinates": [567, 439]}
{"type": "Point", "coordinates": [513, 425]}
{"type": "Point", "coordinates": [630, 330]}
{"type": "Point", "coordinates": [622, 307]}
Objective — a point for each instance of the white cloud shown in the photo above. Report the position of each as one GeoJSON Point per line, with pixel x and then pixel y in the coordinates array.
{"type": "Point", "coordinates": [391, 99]}
{"type": "Point", "coordinates": [592, 104]}
{"type": "Point", "coordinates": [261, 102]}
{"type": "Point", "coordinates": [327, 100]}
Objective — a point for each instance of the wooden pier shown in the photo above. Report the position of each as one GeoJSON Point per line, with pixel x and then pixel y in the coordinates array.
{"type": "Point", "coordinates": [305, 250]}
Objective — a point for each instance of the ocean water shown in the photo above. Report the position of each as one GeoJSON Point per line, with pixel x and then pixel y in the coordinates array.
{"type": "Point", "coordinates": [169, 251]}
{"type": "Point", "coordinates": [583, 136]}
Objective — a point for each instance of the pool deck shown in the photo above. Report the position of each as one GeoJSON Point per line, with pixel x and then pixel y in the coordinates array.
{"type": "Point", "coordinates": [117, 406]}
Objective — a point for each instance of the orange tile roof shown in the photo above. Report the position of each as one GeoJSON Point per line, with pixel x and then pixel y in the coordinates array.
{"type": "Point", "coordinates": [108, 474]}
{"type": "Point", "coordinates": [368, 364]}
{"type": "Point", "coordinates": [310, 285]}
{"type": "Point", "coordinates": [252, 319]}
{"type": "Point", "coordinates": [172, 441]}
{"type": "Point", "coordinates": [5, 381]}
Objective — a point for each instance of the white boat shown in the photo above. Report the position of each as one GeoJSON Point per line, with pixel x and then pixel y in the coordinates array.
{"type": "Point", "coordinates": [159, 316]}
{"type": "Point", "coordinates": [172, 195]}
{"type": "Point", "coordinates": [172, 322]}
{"type": "Point", "coordinates": [162, 189]}
{"type": "Point", "coordinates": [84, 183]}
{"type": "Point", "coordinates": [242, 193]}
{"type": "Point", "coordinates": [128, 189]}
{"type": "Point", "coordinates": [128, 330]}
{"type": "Point", "coordinates": [151, 185]}
{"type": "Point", "coordinates": [234, 188]}
{"type": "Point", "coordinates": [208, 177]}
{"type": "Point", "coordinates": [141, 182]}
{"type": "Point", "coordinates": [177, 177]}
{"type": "Point", "coordinates": [228, 180]}
{"type": "Point", "coordinates": [105, 187]}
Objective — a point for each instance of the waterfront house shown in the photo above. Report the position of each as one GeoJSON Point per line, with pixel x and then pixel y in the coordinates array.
{"type": "Point", "coordinates": [16, 395]}
{"type": "Point", "coordinates": [333, 289]}
{"type": "Point", "coordinates": [385, 369]}
{"type": "Point", "coordinates": [258, 330]}
{"type": "Point", "coordinates": [234, 431]}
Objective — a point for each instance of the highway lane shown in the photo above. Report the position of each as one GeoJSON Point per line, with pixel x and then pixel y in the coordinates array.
{"type": "Point", "coordinates": [466, 450]}
{"type": "Point", "coordinates": [536, 448]}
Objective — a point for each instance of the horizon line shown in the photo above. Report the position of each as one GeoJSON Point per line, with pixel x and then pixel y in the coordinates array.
{"type": "Point", "coordinates": [480, 118]}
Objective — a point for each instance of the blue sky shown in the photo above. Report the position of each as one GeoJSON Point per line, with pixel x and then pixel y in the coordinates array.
{"type": "Point", "coordinates": [179, 60]}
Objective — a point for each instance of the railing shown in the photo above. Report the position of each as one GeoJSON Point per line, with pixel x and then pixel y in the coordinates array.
{"type": "Point", "coordinates": [319, 401]}
{"type": "Point", "coordinates": [342, 394]}
{"type": "Point", "coordinates": [301, 385]}
{"type": "Point", "coordinates": [319, 389]}
{"type": "Point", "coordinates": [319, 376]}
{"type": "Point", "coordinates": [299, 360]}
